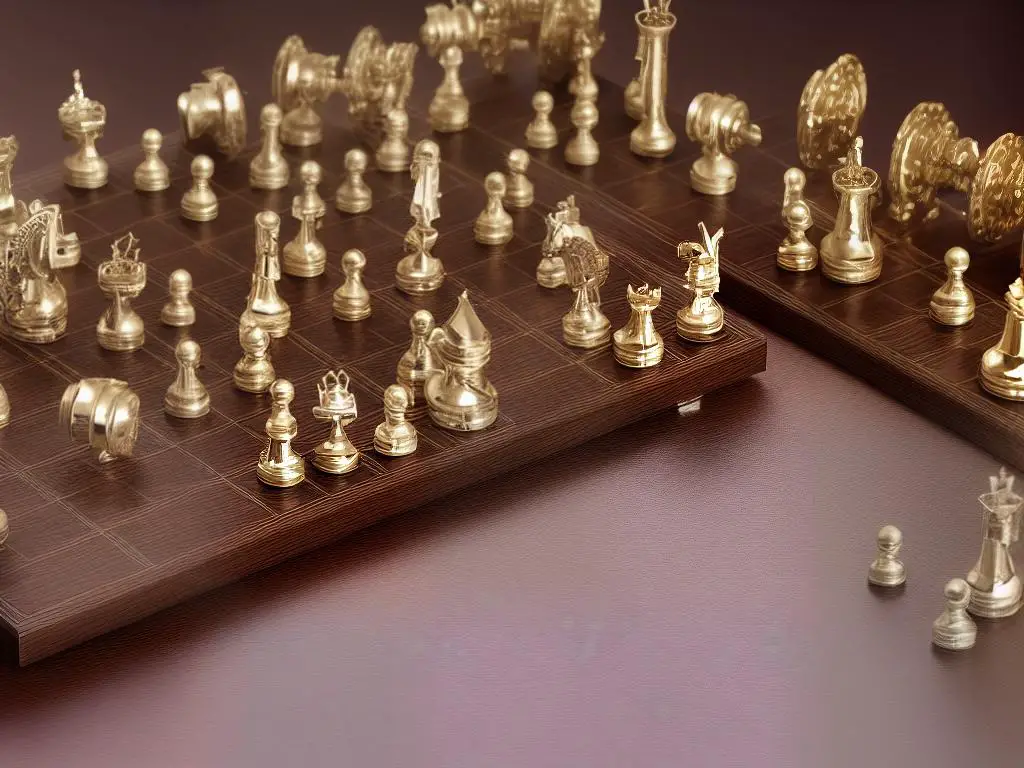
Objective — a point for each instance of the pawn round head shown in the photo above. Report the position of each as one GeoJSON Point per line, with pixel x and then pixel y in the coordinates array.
{"type": "Point", "coordinates": [957, 259]}
{"type": "Point", "coordinates": [451, 56]}
{"type": "Point", "coordinates": [795, 179]}
{"type": "Point", "coordinates": [421, 323]}
{"type": "Point", "coordinates": [957, 593]}
{"type": "Point", "coordinates": [584, 114]}
{"type": "Point", "coordinates": [356, 161]}
{"type": "Point", "coordinates": [310, 172]}
{"type": "Point", "coordinates": [152, 140]}
{"type": "Point", "coordinates": [271, 115]}
{"type": "Point", "coordinates": [397, 121]}
{"type": "Point", "coordinates": [187, 352]}
{"type": "Point", "coordinates": [282, 392]}
{"type": "Point", "coordinates": [543, 102]}
{"type": "Point", "coordinates": [890, 538]}
{"type": "Point", "coordinates": [255, 339]}
{"type": "Point", "coordinates": [518, 161]}
{"type": "Point", "coordinates": [202, 168]}
{"type": "Point", "coordinates": [180, 282]}
{"type": "Point", "coordinates": [396, 398]}
{"type": "Point", "coordinates": [352, 261]}
{"type": "Point", "coordinates": [495, 185]}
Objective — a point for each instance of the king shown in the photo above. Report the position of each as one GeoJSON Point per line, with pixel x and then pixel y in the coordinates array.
{"type": "Point", "coordinates": [83, 120]}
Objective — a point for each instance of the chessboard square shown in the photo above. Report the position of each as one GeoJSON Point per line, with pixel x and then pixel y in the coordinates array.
{"type": "Point", "coordinates": [449, 439]}
{"type": "Point", "coordinates": [233, 214]}
{"type": "Point", "coordinates": [342, 340]}
{"type": "Point", "coordinates": [227, 450]}
{"type": "Point", "coordinates": [535, 305]}
{"type": "Point", "coordinates": [379, 370]}
{"type": "Point", "coordinates": [81, 226]}
{"type": "Point", "coordinates": [106, 504]}
{"type": "Point", "coordinates": [297, 291]}
{"type": "Point", "coordinates": [127, 210]}
{"type": "Point", "coordinates": [440, 303]}
{"type": "Point", "coordinates": [366, 471]}
{"type": "Point", "coordinates": [959, 365]}
{"type": "Point", "coordinates": [762, 176]}
{"type": "Point", "coordinates": [230, 294]}
{"type": "Point", "coordinates": [236, 405]}
{"type": "Point", "coordinates": [529, 224]}
{"type": "Point", "coordinates": [21, 497]}
{"type": "Point", "coordinates": [69, 474]}
{"type": "Point", "coordinates": [366, 232]}
{"type": "Point", "coordinates": [156, 238]}
{"type": "Point", "coordinates": [913, 290]}
{"type": "Point", "coordinates": [715, 212]}
{"type": "Point", "coordinates": [894, 265]}
{"type": "Point", "coordinates": [32, 389]}
{"type": "Point", "coordinates": [202, 265]}
{"type": "Point", "coordinates": [34, 439]}
{"type": "Point", "coordinates": [290, 358]}
{"type": "Point", "coordinates": [608, 368]}
{"type": "Point", "coordinates": [608, 170]}
{"type": "Point", "coordinates": [426, 450]}
{"type": "Point", "coordinates": [280, 501]}
{"type": "Point", "coordinates": [73, 199]}
{"type": "Point", "coordinates": [175, 430]}
{"type": "Point", "coordinates": [209, 324]}
{"type": "Point", "coordinates": [82, 355]}
{"type": "Point", "coordinates": [15, 355]}
{"type": "Point", "coordinates": [476, 155]}
{"type": "Point", "coordinates": [277, 200]}
{"type": "Point", "coordinates": [80, 277]}
{"type": "Point", "coordinates": [237, 247]}
{"type": "Point", "coordinates": [809, 287]}
{"type": "Point", "coordinates": [916, 338]}
{"type": "Point", "coordinates": [989, 273]}
{"type": "Point", "coordinates": [649, 192]}
{"type": "Point", "coordinates": [568, 384]}
{"type": "Point", "coordinates": [520, 360]}
{"type": "Point", "coordinates": [869, 311]}
{"type": "Point", "coordinates": [494, 276]}
{"type": "Point", "coordinates": [164, 474]}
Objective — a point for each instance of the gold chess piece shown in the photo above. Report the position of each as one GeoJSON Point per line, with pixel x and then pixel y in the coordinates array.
{"type": "Point", "coordinates": [953, 303]}
{"type": "Point", "coordinates": [585, 326]}
{"type": "Point", "coordinates": [304, 255]}
{"type": "Point", "coordinates": [417, 362]}
{"type": "Point", "coordinates": [5, 408]}
{"type": "Point", "coordinates": [449, 109]}
{"type": "Point", "coordinates": [351, 299]}
{"type": "Point", "coordinates": [887, 570]}
{"type": "Point", "coordinates": [583, 84]}
{"type": "Point", "coordinates": [638, 344]}
{"type": "Point", "coordinates": [796, 252]}
{"type": "Point", "coordinates": [69, 249]}
{"type": "Point", "coordinates": [103, 413]}
{"type": "Point", "coordinates": [354, 194]}
{"type": "Point", "coordinates": [653, 137]}
{"type": "Point", "coordinates": [703, 319]}
{"type": "Point", "coordinates": [254, 372]}
{"type": "Point", "coordinates": [215, 108]}
{"type": "Point", "coordinates": [852, 252]}
{"type": "Point", "coordinates": [264, 307]}
{"type": "Point", "coordinates": [83, 121]}
{"type": "Point", "coordinates": [955, 630]}
{"type": "Point", "coordinates": [186, 397]}
{"type": "Point", "coordinates": [279, 465]}
{"type": "Point", "coordinates": [377, 79]}
{"type": "Point", "coordinates": [519, 191]}
{"type": "Point", "coordinates": [121, 278]}
{"type": "Point", "coordinates": [178, 312]}
{"type": "Point", "coordinates": [562, 223]}
{"type": "Point", "coordinates": [301, 82]}
{"type": "Point", "coordinates": [831, 106]}
{"type": "Point", "coordinates": [199, 203]}
{"type": "Point", "coordinates": [583, 149]}
{"type": "Point", "coordinates": [1002, 366]}
{"type": "Point", "coordinates": [8, 215]}
{"type": "Point", "coordinates": [395, 436]}
{"type": "Point", "coordinates": [419, 271]}
{"type": "Point", "coordinates": [393, 153]}
{"type": "Point", "coordinates": [152, 174]}
{"type": "Point", "coordinates": [541, 132]}
{"type": "Point", "coordinates": [269, 168]}
{"type": "Point", "coordinates": [995, 587]}
{"type": "Point", "coordinates": [494, 224]}
{"type": "Point", "coordinates": [336, 455]}
{"type": "Point", "coordinates": [721, 125]}
{"type": "Point", "coordinates": [35, 303]}
{"type": "Point", "coordinates": [5, 529]}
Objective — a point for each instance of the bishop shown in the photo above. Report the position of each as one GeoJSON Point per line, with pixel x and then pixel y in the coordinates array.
{"type": "Point", "coordinates": [305, 255]}
{"type": "Point", "coordinates": [187, 398]}
{"type": "Point", "coordinates": [279, 465]}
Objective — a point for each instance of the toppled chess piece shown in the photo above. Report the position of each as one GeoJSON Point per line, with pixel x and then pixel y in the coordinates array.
{"type": "Point", "coordinates": [305, 255]}
{"type": "Point", "coordinates": [852, 252]}
{"type": "Point", "coordinates": [121, 278]}
{"type": "Point", "coordinates": [703, 319]}
{"type": "Point", "coordinates": [336, 455]}
{"type": "Point", "coordinates": [83, 121]}
{"type": "Point", "coordinates": [152, 174]}
{"type": "Point", "coordinates": [269, 168]}
{"type": "Point", "coordinates": [178, 312]}
{"type": "Point", "coordinates": [395, 436]}
{"type": "Point", "coordinates": [653, 137]}
{"type": "Point", "coordinates": [393, 153]}
{"type": "Point", "coordinates": [449, 109]}
{"type": "Point", "coordinates": [302, 81]}
{"type": "Point", "coordinates": [264, 307]}
{"type": "Point", "coordinates": [417, 362]}
{"type": "Point", "coordinates": [796, 252]}
{"type": "Point", "coordinates": [721, 125]}
{"type": "Point", "coordinates": [35, 303]}
{"type": "Point", "coordinates": [215, 108]}
{"type": "Point", "coordinates": [541, 132]}
{"type": "Point", "coordinates": [585, 326]}
{"type": "Point", "coordinates": [831, 106]}
{"type": "Point", "coordinates": [103, 413]}
{"type": "Point", "coordinates": [354, 194]}
{"type": "Point", "coordinates": [187, 397]}
{"type": "Point", "coordinates": [995, 587]}
{"type": "Point", "coordinates": [582, 149]}
{"type": "Point", "coordinates": [351, 299]}
{"type": "Point", "coordinates": [953, 303]}
{"type": "Point", "coordinates": [638, 344]}
{"type": "Point", "coordinates": [887, 570]}
{"type": "Point", "coordinates": [494, 224]}
{"type": "Point", "coordinates": [519, 189]}
{"type": "Point", "coordinates": [254, 372]}
{"type": "Point", "coordinates": [5, 408]}
{"type": "Point", "coordinates": [199, 203]}
{"type": "Point", "coordinates": [419, 271]}
{"type": "Point", "coordinates": [279, 465]}
{"type": "Point", "coordinates": [955, 630]}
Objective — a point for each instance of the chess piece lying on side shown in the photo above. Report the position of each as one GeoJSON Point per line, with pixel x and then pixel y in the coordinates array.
{"type": "Point", "coordinates": [103, 413]}
{"type": "Point", "coordinates": [152, 174]}
{"type": "Point", "coordinates": [199, 203]}
{"type": "Point", "coordinates": [395, 436]}
{"type": "Point", "coordinates": [887, 570]}
{"type": "Point", "coordinates": [953, 303]}
{"type": "Point", "coordinates": [178, 312]}
{"type": "Point", "coordinates": [954, 630]}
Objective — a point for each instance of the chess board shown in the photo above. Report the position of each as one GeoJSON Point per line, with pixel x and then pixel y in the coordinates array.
{"type": "Point", "coordinates": [94, 547]}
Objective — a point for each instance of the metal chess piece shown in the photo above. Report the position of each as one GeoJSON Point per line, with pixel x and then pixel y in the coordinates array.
{"type": "Point", "coordinates": [393, 153]}
{"type": "Point", "coordinates": [186, 397]}
{"type": "Point", "coordinates": [5, 408]}
{"type": "Point", "coordinates": [35, 303]}
{"type": "Point", "coordinates": [653, 137]}
{"type": "Point", "coordinates": [264, 307]}
{"type": "Point", "coordinates": [637, 344]}
{"type": "Point", "coordinates": [796, 252]}
{"type": "Point", "coordinates": [8, 216]}
{"type": "Point", "coordinates": [541, 132]}
{"type": "Point", "coordinates": [995, 587]}
{"type": "Point", "coordinates": [254, 372]}
{"type": "Point", "coordinates": [831, 106]}
{"type": "Point", "coordinates": [302, 81]}
{"type": "Point", "coordinates": [121, 278]}
{"type": "Point", "coordinates": [955, 630]}
{"type": "Point", "coordinates": [852, 252]}
{"type": "Point", "coordinates": [582, 148]}
{"type": "Point", "coordinates": [377, 79]}
{"type": "Point", "coordinates": [887, 570]}
{"type": "Point", "coordinates": [69, 249]}
{"type": "Point", "coordinates": [336, 455]}
{"type": "Point", "coordinates": [199, 203]}
{"type": "Point", "coordinates": [419, 271]}
{"type": "Point", "coordinates": [494, 224]}
{"type": "Point", "coordinates": [5, 529]}
{"type": "Point", "coordinates": [703, 319]}
{"type": "Point", "coordinates": [417, 362]}
{"type": "Point", "coordinates": [351, 299]}
{"type": "Point", "coordinates": [449, 109]}
{"type": "Point", "coordinates": [178, 312]}
{"type": "Point", "coordinates": [1002, 366]}
{"type": "Point", "coordinates": [563, 223]}
{"type": "Point", "coordinates": [586, 268]}
{"type": "Point", "coordinates": [354, 194]}
{"type": "Point", "coordinates": [721, 125]}
{"type": "Point", "coordinates": [305, 255]}
{"type": "Point", "coordinates": [83, 121]}
{"type": "Point", "coordinates": [395, 436]}
{"type": "Point", "coordinates": [459, 396]}
{"type": "Point", "coordinates": [215, 108]}
{"type": "Point", "coordinates": [152, 174]}
{"type": "Point", "coordinates": [953, 303]}
{"type": "Point", "coordinates": [279, 465]}
{"type": "Point", "coordinates": [103, 413]}
{"type": "Point", "coordinates": [519, 191]}
{"type": "Point", "coordinates": [583, 85]}
{"type": "Point", "coordinates": [269, 168]}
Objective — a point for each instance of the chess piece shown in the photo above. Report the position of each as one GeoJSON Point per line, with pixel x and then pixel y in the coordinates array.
{"type": "Point", "coordinates": [393, 153]}
{"type": "Point", "coordinates": [301, 82]}
{"type": "Point", "coordinates": [852, 252]}
{"type": "Point", "coordinates": [377, 79]}
{"type": "Point", "coordinates": [35, 303]}
{"type": "Point", "coordinates": [83, 121]}
{"type": "Point", "coordinates": [449, 109]}
{"type": "Point", "coordinates": [336, 455]}
{"type": "Point", "coordinates": [633, 95]}
{"type": "Point", "coordinates": [5, 529]}
{"type": "Point", "coordinates": [519, 191]}
{"type": "Point", "coordinates": [887, 570]}
{"type": "Point", "coordinates": [269, 168]}
{"type": "Point", "coordinates": [703, 319]}
{"type": "Point", "coordinates": [796, 252]}
{"type": "Point", "coordinates": [582, 85]}
{"type": "Point", "coordinates": [354, 194]}
{"type": "Point", "coordinates": [187, 398]}
{"type": "Point", "coordinates": [955, 630]}
{"type": "Point", "coordinates": [653, 137]}
{"type": "Point", "coordinates": [995, 586]}
{"type": "Point", "coordinates": [178, 312]}
{"type": "Point", "coordinates": [563, 223]}
{"type": "Point", "coordinates": [254, 372]}
{"type": "Point", "coordinates": [351, 299]}
{"type": "Point", "coordinates": [417, 363]}
{"type": "Point", "coordinates": [199, 203]}
{"type": "Point", "coordinates": [8, 216]}
{"type": "Point", "coordinates": [103, 413]}
{"type": "Point", "coordinates": [215, 108]}
{"type": "Point", "coordinates": [305, 255]}
{"type": "Point", "coordinates": [494, 224]}
{"type": "Point", "coordinates": [395, 436]}
{"type": "Point", "coordinates": [541, 132]}
{"type": "Point", "coordinates": [586, 268]}
{"type": "Point", "coordinates": [638, 344]}
{"type": "Point", "coordinates": [459, 396]}
{"type": "Point", "coordinates": [264, 307]}
{"type": "Point", "coordinates": [121, 278]}
{"type": "Point", "coordinates": [5, 408]}
{"type": "Point", "coordinates": [831, 106]}
{"type": "Point", "coordinates": [279, 465]}
{"type": "Point", "coordinates": [721, 125]}
{"type": "Point", "coordinates": [582, 148]}
{"type": "Point", "coordinates": [953, 303]}
{"type": "Point", "coordinates": [152, 174]}
{"type": "Point", "coordinates": [1002, 366]}
{"type": "Point", "coordinates": [69, 250]}
{"type": "Point", "coordinates": [419, 271]}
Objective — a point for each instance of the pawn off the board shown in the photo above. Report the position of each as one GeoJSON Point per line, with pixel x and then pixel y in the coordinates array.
{"type": "Point", "coordinates": [254, 372]}
{"type": "Point", "coordinates": [395, 436]}
{"type": "Point", "coordinates": [393, 153]}
{"type": "Point", "coordinates": [152, 174]}
{"type": "Point", "coordinates": [996, 589]}
{"type": "Point", "coordinates": [269, 168]}
{"type": "Point", "coordinates": [305, 255]}
{"type": "Point", "coordinates": [187, 398]}
{"type": "Point", "coordinates": [494, 225]}
{"type": "Point", "coordinates": [417, 362]}
{"type": "Point", "coordinates": [336, 455]}
{"type": "Point", "coordinates": [887, 570]}
{"type": "Point", "coordinates": [953, 303]}
{"type": "Point", "coordinates": [354, 194]}
{"type": "Point", "coordinates": [955, 630]}
{"type": "Point", "coordinates": [178, 312]}
{"type": "Point", "coordinates": [519, 190]}
{"type": "Point", "coordinates": [199, 203]}
{"type": "Point", "coordinates": [638, 344]}
{"type": "Point", "coordinates": [351, 300]}
{"type": "Point", "coordinates": [279, 465]}
{"type": "Point", "coordinates": [541, 132]}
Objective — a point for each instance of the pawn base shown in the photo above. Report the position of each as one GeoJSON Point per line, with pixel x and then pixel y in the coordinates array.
{"type": "Point", "coordinates": [388, 443]}
{"type": "Point", "coordinates": [151, 179]}
{"type": "Point", "coordinates": [85, 173]}
{"type": "Point", "coordinates": [199, 210]}
{"type": "Point", "coordinates": [448, 114]}
{"type": "Point", "coordinates": [954, 637]}
{"type": "Point", "coordinates": [348, 200]}
{"type": "Point", "coordinates": [409, 278]}
{"type": "Point", "coordinates": [582, 153]}
{"type": "Point", "coordinates": [303, 261]}
{"type": "Point", "coordinates": [953, 315]}
{"type": "Point", "coordinates": [269, 177]}
{"type": "Point", "coordinates": [541, 139]}
{"type": "Point", "coordinates": [256, 380]}
{"type": "Point", "coordinates": [701, 328]}
{"type": "Point", "coordinates": [349, 311]}
{"type": "Point", "coordinates": [37, 334]}
{"type": "Point", "coordinates": [652, 141]}
{"type": "Point", "coordinates": [178, 316]}
{"type": "Point", "coordinates": [329, 459]}
{"type": "Point", "coordinates": [128, 337]}
{"type": "Point", "coordinates": [393, 157]}
{"type": "Point", "coordinates": [488, 232]}
{"type": "Point", "coordinates": [851, 271]}
{"type": "Point", "coordinates": [713, 175]}
{"type": "Point", "coordinates": [182, 408]}
{"type": "Point", "coordinates": [797, 258]}
{"type": "Point", "coordinates": [285, 475]}
{"type": "Point", "coordinates": [1002, 375]}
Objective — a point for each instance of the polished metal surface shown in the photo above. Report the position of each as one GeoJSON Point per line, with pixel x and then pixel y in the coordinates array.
{"type": "Point", "coordinates": [103, 413]}
{"type": "Point", "coordinates": [395, 436]}
{"type": "Point", "coordinates": [995, 587]}
{"type": "Point", "coordinates": [215, 108]}
{"type": "Point", "coordinates": [336, 455]}
{"type": "Point", "coordinates": [952, 303]}
{"type": "Point", "coordinates": [152, 174]}
{"type": "Point", "coordinates": [35, 303]}
{"type": "Point", "coordinates": [83, 121]}
{"type": "Point", "coordinates": [519, 189]}
{"type": "Point", "coordinates": [199, 203]}
{"type": "Point", "coordinates": [584, 326]}
{"type": "Point", "coordinates": [304, 255]}
{"type": "Point", "coordinates": [494, 224]}
{"type": "Point", "coordinates": [264, 307]}
{"type": "Point", "coordinates": [354, 195]}
{"type": "Point", "coordinates": [831, 106]}
{"type": "Point", "coordinates": [703, 318]}
{"type": "Point", "coordinates": [269, 169]}
{"type": "Point", "coordinates": [178, 312]}
{"type": "Point", "coordinates": [796, 253]}
{"type": "Point", "coordinates": [721, 125]}
{"type": "Point", "coordinates": [187, 397]}
{"type": "Point", "coordinates": [541, 132]}
{"type": "Point", "coordinates": [351, 300]}
{"type": "Point", "coordinates": [637, 344]}
{"type": "Point", "coordinates": [852, 252]}
{"type": "Point", "coordinates": [653, 137]}
{"type": "Point", "coordinates": [301, 82]}
{"type": "Point", "coordinates": [417, 363]}
{"type": "Point", "coordinates": [582, 149]}
{"type": "Point", "coordinates": [121, 278]}
{"type": "Point", "coordinates": [279, 465]}
{"type": "Point", "coordinates": [254, 372]}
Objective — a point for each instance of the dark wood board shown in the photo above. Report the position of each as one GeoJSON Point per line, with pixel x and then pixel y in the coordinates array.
{"type": "Point", "coordinates": [96, 547]}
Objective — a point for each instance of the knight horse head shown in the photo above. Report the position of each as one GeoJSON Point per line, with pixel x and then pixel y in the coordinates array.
{"type": "Point", "coordinates": [702, 258]}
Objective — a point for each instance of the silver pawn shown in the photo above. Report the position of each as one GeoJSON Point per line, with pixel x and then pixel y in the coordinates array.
{"type": "Point", "coordinates": [393, 153]}
{"type": "Point", "coordinates": [955, 630]}
{"type": "Point", "coordinates": [269, 168]}
{"type": "Point", "coordinates": [178, 312]}
{"type": "Point", "coordinates": [152, 174]}
{"type": "Point", "coordinates": [395, 436]}
{"type": "Point", "coordinates": [519, 191]}
{"type": "Point", "coordinates": [352, 300]}
{"type": "Point", "coordinates": [199, 203]}
{"type": "Point", "coordinates": [887, 570]}
{"type": "Point", "coordinates": [354, 194]}
{"type": "Point", "coordinates": [541, 132]}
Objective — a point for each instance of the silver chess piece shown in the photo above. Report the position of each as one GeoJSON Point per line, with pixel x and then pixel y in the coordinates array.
{"type": "Point", "coordinates": [955, 630]}
{"type": "Point", "coordinates": [199, 203]}
{"type": "Point", "coordinates": [336, 455]}
{"type": "Point", "coordinates": [995, 587]}
{"type": "Point", "coordinates": [887, 570]}
{"type": "Point", "coordinates": [178, 312]}
{"type": "Point", "coordinates": [152, 174]}
{"type": "Point", "coordinates": [395, 436]}
{"type": "Point", "coordinates": [186, 397]}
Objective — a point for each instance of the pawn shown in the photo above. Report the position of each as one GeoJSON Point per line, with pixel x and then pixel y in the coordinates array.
{"type": "Point", "coordinates": [269, 168]}
{"type": "Point", "coordinates": [449, 109]}
{"type": "Point", "coordinates": [494, 225]}
{"type": "Point", "coordinates": [351, 299]}
{"type": "Point", "coordinates": [178, 312]}
{"type": "Point", "coordinates": [953, 303]}
{"type": "Point", "coordinates": [304, 255]}
{"type": "Point", "coordinates": [199, 203]}
{"type": "Point", "coordinates": [520, 189]}
{"type": "Point", "coordinates": [395, 436]}
{"type": "Point", "coordinates": [187, 398]}
{"type": "Point", "coordinates": [354, 194]}
{"type": "Point", "coordinates": [582, 148]}
{"type": "Point", "coordinates": [417, 363]}
{"type": "Point", "coordinates": [887, 570]}
{"type": "Point", "coordinates": [254, 372]}
{"type": "Point", "coordinates": [638, 344]}
{"type": "Point", "coordinates": [279, 465]}
{"type": "Point", "coordinates": [393, 153]}
{"type": "Point", "coordinates": [541, 132]}
{"type": "Point", "coordinates": [152, 174]}
{"type": "Point", "coordinates": [955, 630]}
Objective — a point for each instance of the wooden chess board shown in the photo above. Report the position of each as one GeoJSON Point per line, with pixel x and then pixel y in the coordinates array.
{"type": "Point", "coordinates": [94, 547]}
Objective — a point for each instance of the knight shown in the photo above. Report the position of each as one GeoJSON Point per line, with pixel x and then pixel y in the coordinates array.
{"type": "Point", "coordinates": [35, 304]}
{"type": "Point", "coordinates": [703, 318]}
{"type": "Point", "coordinates": [562, 223]}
